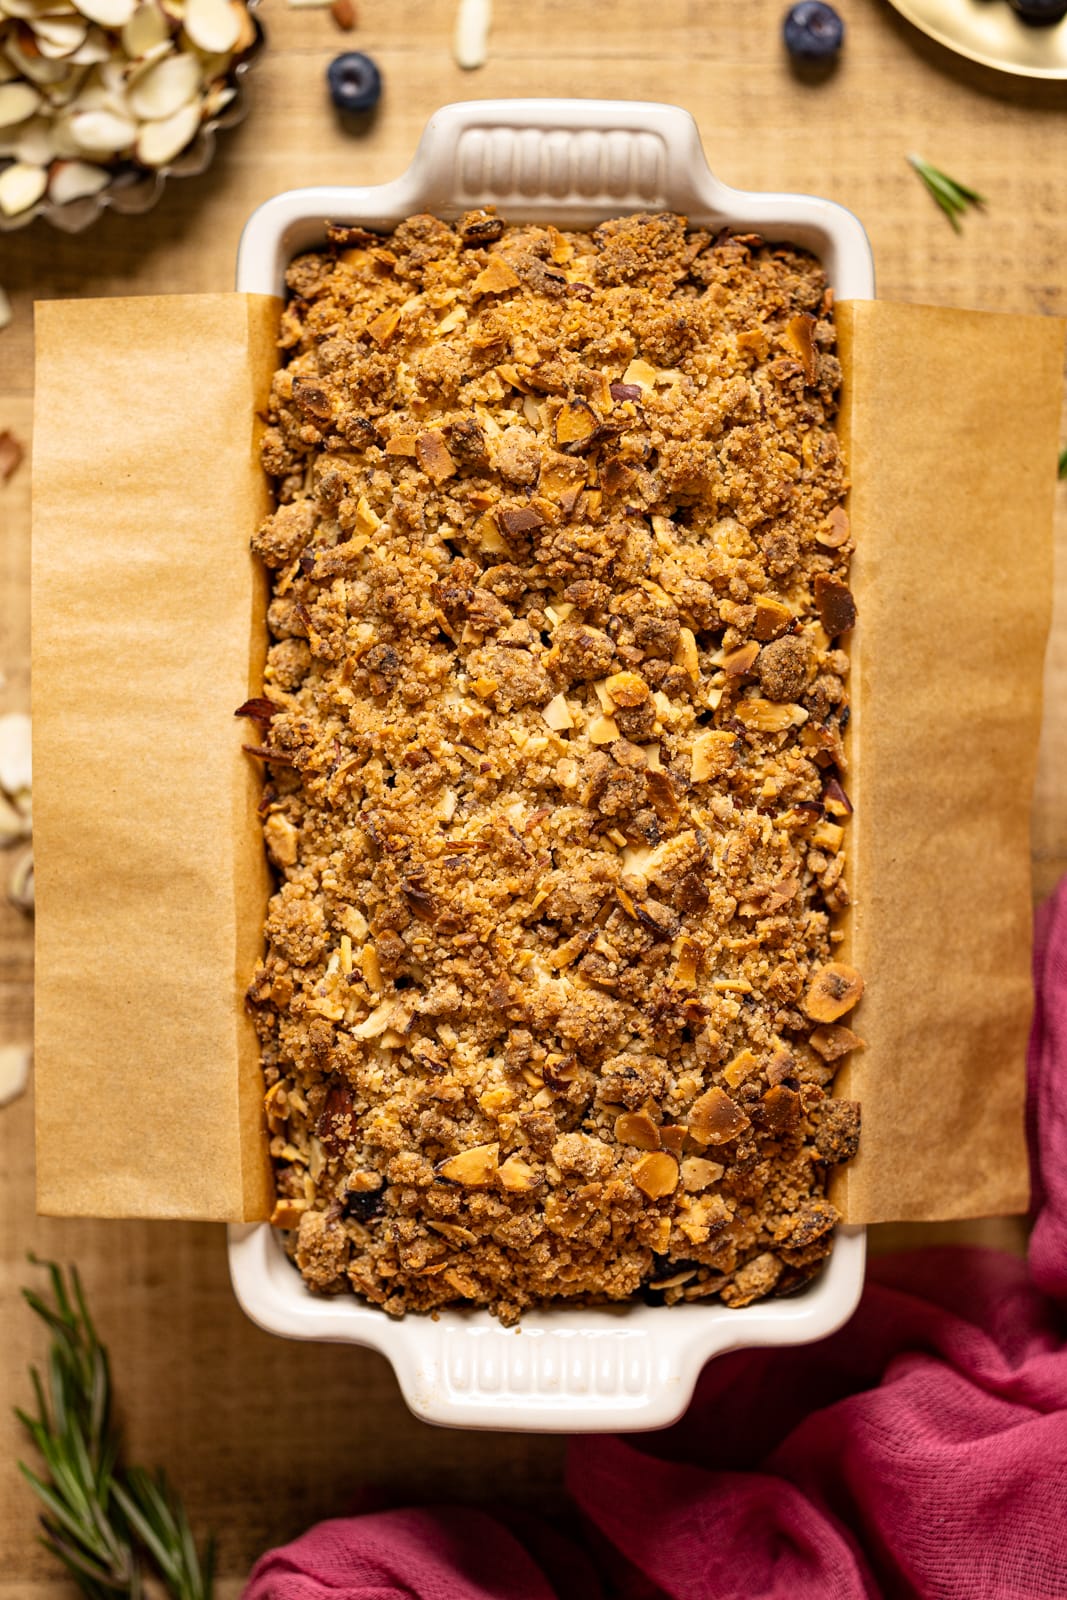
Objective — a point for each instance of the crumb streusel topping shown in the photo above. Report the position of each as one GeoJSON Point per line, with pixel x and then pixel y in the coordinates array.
{"type": "Point", "coordinates": [553, 719]}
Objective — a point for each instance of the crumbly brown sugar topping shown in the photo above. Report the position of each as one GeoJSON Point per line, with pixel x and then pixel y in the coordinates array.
{"type": "Point", "coordinates": [553, 720]}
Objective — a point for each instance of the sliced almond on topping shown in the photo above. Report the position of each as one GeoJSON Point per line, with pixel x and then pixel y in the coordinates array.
{"type": "Point", "coordinates": [212, 25]}
{"type": "Point", "coordinates": [495, 278]}
{"type": "Point", "coordinates": [433, 455]}
{"type": "Point", "coordinates": [164, 87]}
{"type": "Point", "coordinates": [698, 1174]}
{"type": "Point", "coordinates": [145, 31]}
{"type": "Point", "coordinates": [737, 662]}
{"type": "Point", "coordinates": [828, 836]}
{"type": "Point", "coordinates": [516, 1175]}
{"type": "Point", "coordinates": [287, 1213]}
{"type": "Point", "coordinates": [21, 186]}
{"type": "Point", "coordinates": [688, 953]}
{"type": "Point", "coordinates": [17, 102]}
{"type": "Point", "coordinates": [773, 617]}
{"type": "Point", "coordinates": [602, 730]}
{"type": "Point", "coordinates": [576, 424]}
{"type": "Point", "coordinates": [637, 1128]}
{"type": "Point", "coordinates": [246, 28]}
{"type": "Point", "coordinates": [108, 13]}
{"type": "Point", "coordinates": [835, 1041]}
{"type": "Point", "coordinates": [160, 142]}
{"type": "Point", "coordinates": [835, 531]}
{"type": "Point", "coordinates": [475, 1167]}
{"type": "Point", "coordinates": [656, 1174]}
{"type": "Point", "coordinates": [799, 337]}
{"type": "Point", "coordinates": [102, 133]}
{"type": "Point", "coordinates": [741, 1067]}
{"type": "Point", "coordinates": [685, 654]}
{"type": "Point", "coordinates": [767, 716]}
{"type": "Point", "coordinates": [835, 989]}
{"type": "Point", "coordinates": [382, 327]}
{"type": "Point", "coordinates": [640, 373]}
{"type": "Point", "coordinates": [715, 1118]}
{"type": "Point", "coordinates": [557, 713]}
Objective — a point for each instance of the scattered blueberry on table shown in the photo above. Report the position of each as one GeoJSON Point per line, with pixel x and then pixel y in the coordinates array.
{"type": "Point", "coordinates": [813, 31]}
{"type": "Point", "coordinates": [1040, 12]}
{"type": "Point", "coordinates": [355, 82]}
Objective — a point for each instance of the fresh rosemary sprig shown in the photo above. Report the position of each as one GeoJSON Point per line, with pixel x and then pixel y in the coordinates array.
{"type": "Point", "coordinates": [952, 196]}
{"type": "Point", "coordinates": [112, 1526]}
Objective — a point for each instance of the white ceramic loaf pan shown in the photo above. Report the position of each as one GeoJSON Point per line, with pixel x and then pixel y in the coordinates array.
{"type": "Point", "coordinates": [573, 162]}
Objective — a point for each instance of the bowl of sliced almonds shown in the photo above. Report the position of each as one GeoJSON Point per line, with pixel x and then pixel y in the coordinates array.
{"type": "Point", "coordinates": [102, 100]}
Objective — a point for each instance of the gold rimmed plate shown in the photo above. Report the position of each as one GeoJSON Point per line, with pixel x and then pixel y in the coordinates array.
{"type": "Point", "coordinates": [988, 31]}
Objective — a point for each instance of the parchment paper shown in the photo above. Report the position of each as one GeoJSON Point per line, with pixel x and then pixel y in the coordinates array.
{"type": "Point", "coordinates": [147, 633]}
{"type": "Point", "coordinates": [151, 885]}
{"type": "Point", "coordinates": [950, 421]}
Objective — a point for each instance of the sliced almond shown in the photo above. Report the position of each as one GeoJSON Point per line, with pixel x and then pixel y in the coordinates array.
{"type": "Point", "coordinates": [160, 142]}
{"type": "Point", "coordinates": [212, 25]}
{"type": "Point", "coordinates": [102, 133]}
{"type": "Point", "coordinates": [20, 889]}
{"type": "Point", "coordinates": [697, 1173]}
{"type": "Point", "coordinates": [715, 1118]}
{"type": "Point", "coordinates": [17, 102]}
{"type": "Point", "coordinates": [74, 180]}
{"type": "Point", "coordinates": [163, 88]}
{"type": "Point", "coordinates": [36, 142]}
{"type": "Point", "coordinates": [21, 186]}
{"type": "Point", "coordinates": [246, 35]}
{"type": "Point", "coordinates": [516, 1175]}
{"type": "Point", "coordinates": [835, 989]}
{"type": "Point", "coordinates": [36, 67]}
{"type": "Point", "coordinates": [713, 754]}
{"type": "Point", "coordinates": [470, 39]}
{"type": "Point", "coordinates": [557, 713]}
{"type": "Point", "coordinates": [656, 1174]}
{"type": "Point", "coordinates": [59, 37]}
{"type": "Point", "coordinates": [108, 13]}
{"type": "Point", "coordinates": [14, 1071]}
{"type": "Point", "coordinates": [475, 1167]}
{"type": "Point", "coordinates": [627, 688]}
{"type": "Point", "coordinates": [218, 97]}
{"type": "Point", "coordinates": [95, 49]}
{"type": "Point", "coordinates": [637, 1128]}
{"type": "Point", "coordinates": [146, 29]}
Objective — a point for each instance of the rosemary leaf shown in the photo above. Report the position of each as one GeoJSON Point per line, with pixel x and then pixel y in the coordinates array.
{"type": "Point", "coordinates": [110, 1525]}
{"type": "Point", "coordinates": [951, 195]}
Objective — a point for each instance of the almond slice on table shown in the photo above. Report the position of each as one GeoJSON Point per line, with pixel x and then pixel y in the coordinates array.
{"type": "Point", "coordinates": [212, 25]}
{"type": "Point", "coordinates": [73, 180]}
{"type": "Point", "coordinates": [108, 13]}
{"type": "Point", "coordinates": [102, 133]}
{"type": "Point", "coordinates": [17, 102]}
{"type": "Point", "coordinates": [160, 142]}
{"type": "Point", "coordinates": [21, 186]}
{"type": "Point", "coordinates": [164, 87]}
{"type": "Point", "coordinates": [37, 68]}
{"type": "Point", "coordinates": [146, 29]}
{"type": "Point", "coordinates": [93, 51]}
{"type": "Point", "coordinates": [35, 143]}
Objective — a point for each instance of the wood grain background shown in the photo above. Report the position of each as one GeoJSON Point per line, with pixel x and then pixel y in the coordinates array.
{"type": "Point", "coordinates": [263, 1436]}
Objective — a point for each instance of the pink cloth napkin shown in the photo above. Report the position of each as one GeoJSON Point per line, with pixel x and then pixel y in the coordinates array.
{"type": "Point", "coordinates": [920, 1451]}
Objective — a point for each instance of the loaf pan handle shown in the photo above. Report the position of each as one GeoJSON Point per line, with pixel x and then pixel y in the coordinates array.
{"type": "Point", "coordinates": [526, 156]}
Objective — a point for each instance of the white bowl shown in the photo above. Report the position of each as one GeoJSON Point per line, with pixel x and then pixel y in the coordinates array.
{"type": "Point", "coordinates": [634, 1366]}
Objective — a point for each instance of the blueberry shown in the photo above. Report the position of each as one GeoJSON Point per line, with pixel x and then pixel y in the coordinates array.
{"type": "Point", "coordinates": [1040, 12]}
{"type": "Point", "coordinates": [813, 31]}
{"type": "Point", "coordinates": [355, 82]}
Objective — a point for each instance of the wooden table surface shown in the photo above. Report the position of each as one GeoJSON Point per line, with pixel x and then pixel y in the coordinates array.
{"type": "Point", "coordinates": [263, 1436]}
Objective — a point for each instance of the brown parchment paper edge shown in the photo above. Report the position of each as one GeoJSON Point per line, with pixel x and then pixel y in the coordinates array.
{"type": "Point", "coordinates": [949, 421]}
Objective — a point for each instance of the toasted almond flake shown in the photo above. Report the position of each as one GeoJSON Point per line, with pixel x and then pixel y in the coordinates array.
{"type": "Point", "coordinates": [14, 1071]}
{"type": "Point", "coordinates": [470, 37]}
{"type": "Point", "coordinates": [102, 133]}
{"type": "Point", "coordinates": [557, 713]}
{"type": "Point", "coordinates": [163, 88]}
{"type": "Point", "coordinates": [638, 1129]}
{"type": "Point", "coordinates": [287, 1213]}
{"type": "Point", "coordinates": [603, 730]}
{"type": "Point", "coordinates": [212, 25]}
{"type": "Point", "coordinates": [17, 102]}
{"type": "Point", "coordinates": [516, 1175]}
{"type": "Point", "coordinates": [475, 1167]}
{"type": "Point", "coordinates": [146, 29]}
{"type": "Point", "coordinates": [641, 373]}
{"type": "Point", "coordinates": [108, 13]}
{"type": "Point", "coordinates": [73, 180]}
{"type": "Point", "coordinates": [712, 755]}
{"type": "Point", "coordinates": [160, 142]}
{"type": "Point", "coordinates": [656, 1174]}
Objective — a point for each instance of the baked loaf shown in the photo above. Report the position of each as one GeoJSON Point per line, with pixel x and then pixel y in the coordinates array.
{"type": "Point", "coordinates": [553, 721]}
